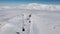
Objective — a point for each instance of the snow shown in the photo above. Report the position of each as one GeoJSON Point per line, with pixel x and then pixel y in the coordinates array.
{"type": "Point", "coordinates": [42, 21]}
{"type": "Point", "coordinates": [36, 6]}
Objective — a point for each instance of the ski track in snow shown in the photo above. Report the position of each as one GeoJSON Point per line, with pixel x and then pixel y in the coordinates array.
{"type": "Point", "coordinates": [42, 22]}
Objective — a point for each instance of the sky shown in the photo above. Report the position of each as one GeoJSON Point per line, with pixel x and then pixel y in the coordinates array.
{"type": "Point", "coordinates": [29, 1]}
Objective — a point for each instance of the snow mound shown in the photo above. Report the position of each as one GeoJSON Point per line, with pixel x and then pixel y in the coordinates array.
{"type": "Point", "coordinates": [35, 6]}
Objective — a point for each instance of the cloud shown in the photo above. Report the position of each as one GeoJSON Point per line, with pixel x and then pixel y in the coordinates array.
{"type": "Point", "coordinates": [35, 6]}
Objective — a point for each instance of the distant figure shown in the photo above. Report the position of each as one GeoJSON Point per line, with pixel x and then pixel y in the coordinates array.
{"type": "Point", "coordinates": [23, 29]}
{"type": "Point", "coordinates": [29, 15]}
{"type": "Point", "coordinates": [29, 21]}
{"type": "Point", "coordinates": [17, 32]}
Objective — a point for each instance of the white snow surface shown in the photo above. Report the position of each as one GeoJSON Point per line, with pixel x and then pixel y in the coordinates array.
{"type": "Point", "coordinates": [35, 6]}
{"type": "Point", "coordinates": [43, 21]}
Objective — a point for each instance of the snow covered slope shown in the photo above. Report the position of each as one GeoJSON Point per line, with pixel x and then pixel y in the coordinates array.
{"type": "Point", "coordinates": [42, 21]}
{"type": "Point", "coordinates": [36, 6]}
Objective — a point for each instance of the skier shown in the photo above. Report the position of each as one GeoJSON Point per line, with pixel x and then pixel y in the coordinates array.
{"type": "Point", "coordinates": [23, 29]}
{"type": "Point", "coordinates": [29, 21]}
{"type": "Point", "coordinates": [30, 15]}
